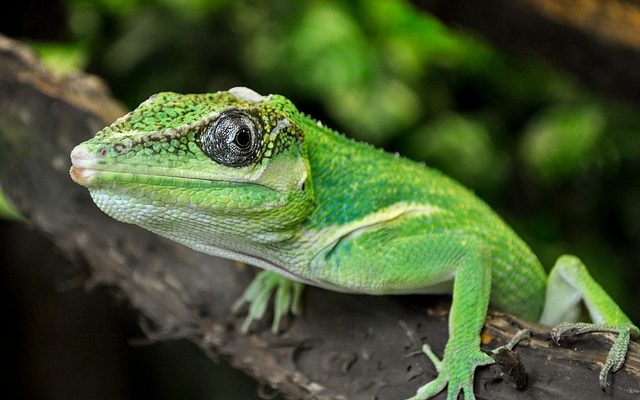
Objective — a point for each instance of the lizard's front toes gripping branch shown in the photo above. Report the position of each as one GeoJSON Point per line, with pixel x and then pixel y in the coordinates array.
{"type": "Point", "coordinates": [257, 295]}
{"type": "Point", "coordinates": [617, 353]}
{"type": "Point", "coordinates": [455, 370]}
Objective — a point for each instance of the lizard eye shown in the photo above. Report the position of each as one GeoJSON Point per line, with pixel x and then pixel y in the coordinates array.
{"type": "Point", "coordinates": [232, 140]}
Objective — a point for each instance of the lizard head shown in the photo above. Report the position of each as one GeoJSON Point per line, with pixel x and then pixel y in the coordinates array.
{"type": "Point", "coordinates": [202, 164]}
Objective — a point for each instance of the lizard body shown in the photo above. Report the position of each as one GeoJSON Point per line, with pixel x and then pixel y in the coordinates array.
{"type": "Point", "coordinates": [248, 177]}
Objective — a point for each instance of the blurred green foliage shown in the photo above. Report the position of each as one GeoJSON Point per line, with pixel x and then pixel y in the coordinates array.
{"type": "Point", "coordinates": [561, 141]}
{"type": "Point", "coordinates": [560, 163]}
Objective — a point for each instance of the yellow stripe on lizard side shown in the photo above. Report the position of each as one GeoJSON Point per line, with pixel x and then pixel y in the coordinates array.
{"type": "Point", "coordinates": [328, 237]}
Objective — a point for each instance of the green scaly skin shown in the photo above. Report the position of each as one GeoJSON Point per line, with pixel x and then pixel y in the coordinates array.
{"type": "Point", "coordinates": [250, 178]}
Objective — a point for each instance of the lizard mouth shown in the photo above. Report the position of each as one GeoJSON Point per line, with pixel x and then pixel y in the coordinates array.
{"type": "Point", "coordinates": [82, 176]}
{"type": "Point", "coordinates": [91, 177]}
{"type": "Point", "coordinates": [82, 162]}
{"type": "Point", "coordinates": [88, 170]}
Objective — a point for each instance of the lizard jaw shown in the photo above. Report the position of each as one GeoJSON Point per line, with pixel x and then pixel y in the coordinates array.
{"type": "Point", "coordinates": [82, 162]}
{"type": "Point", "coordinates": [82, 176]}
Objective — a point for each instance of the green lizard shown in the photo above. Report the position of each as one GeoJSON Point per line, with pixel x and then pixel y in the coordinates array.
{"type": "Point", "coordinates": [250, 178]}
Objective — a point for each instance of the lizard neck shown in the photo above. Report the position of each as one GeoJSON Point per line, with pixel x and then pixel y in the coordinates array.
{"type": "Point", "coordinates": [352, 180]}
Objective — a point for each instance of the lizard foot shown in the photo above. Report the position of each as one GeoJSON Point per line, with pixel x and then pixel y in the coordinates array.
{"type": "Point", "coordinates": [617, 353]}
{"type": "Point", "coordinates": [455, 370]}
{"type": "Point", "coordinates": [258, 293]}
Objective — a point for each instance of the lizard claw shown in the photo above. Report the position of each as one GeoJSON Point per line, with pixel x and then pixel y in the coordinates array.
{"type": "Point", "coordinates": [258, 293]}
{"type": "Point", "coordinates": [617, 353]}
{"type": "Point", "coordinates": [455, 371]}
{"type": "Point", "coordinates": [568, 329]}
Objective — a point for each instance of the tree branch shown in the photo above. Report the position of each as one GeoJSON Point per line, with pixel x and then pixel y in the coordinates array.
{"type": "Point", "coordinates": [344, 347]}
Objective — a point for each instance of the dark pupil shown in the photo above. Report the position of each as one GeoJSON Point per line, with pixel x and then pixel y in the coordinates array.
{"type": "Point", "coordinates": [243, 137]}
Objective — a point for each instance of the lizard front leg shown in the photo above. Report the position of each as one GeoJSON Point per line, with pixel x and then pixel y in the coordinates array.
{"type": "Point", "coordinates": [389, 260]}
{"type": "Point", "coordinates": [462, 354]}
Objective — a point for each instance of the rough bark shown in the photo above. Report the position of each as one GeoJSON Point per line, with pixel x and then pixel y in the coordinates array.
{"type": "Point", "coordinates": [344, 347]}
{"type": "Point", "coordinates": [597, 40]}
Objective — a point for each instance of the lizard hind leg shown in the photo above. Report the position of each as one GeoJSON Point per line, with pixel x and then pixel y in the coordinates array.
{"type": "Point", "coordinates": [569, 283]}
